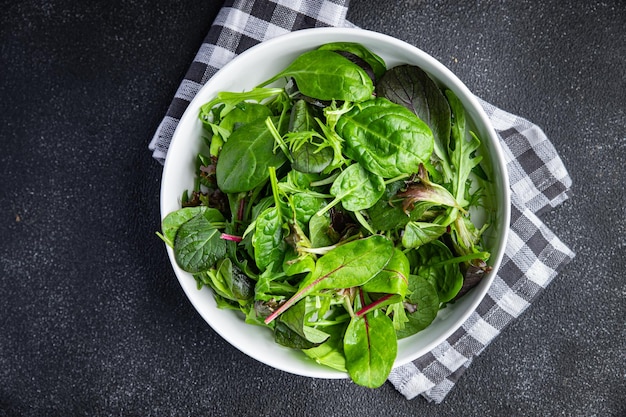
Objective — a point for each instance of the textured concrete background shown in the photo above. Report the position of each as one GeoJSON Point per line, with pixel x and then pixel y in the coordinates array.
{"type": "Point", "coordinates": [92, 319]}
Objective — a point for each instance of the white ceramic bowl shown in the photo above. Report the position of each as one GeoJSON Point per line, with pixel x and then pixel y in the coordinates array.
{"type": "Point", "coordinates": [260, 63]}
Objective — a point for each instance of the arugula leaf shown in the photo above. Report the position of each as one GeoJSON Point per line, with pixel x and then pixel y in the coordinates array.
{"type": "Point", "coordinates": [462, 152]}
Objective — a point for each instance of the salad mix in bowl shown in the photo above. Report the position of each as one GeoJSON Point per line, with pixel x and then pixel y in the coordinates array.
{"type": "Point", "coordinates": [339, 205]}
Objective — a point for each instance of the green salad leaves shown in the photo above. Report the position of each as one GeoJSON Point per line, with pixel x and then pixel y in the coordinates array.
{"type": "Point", "coordinates": [335, 211]}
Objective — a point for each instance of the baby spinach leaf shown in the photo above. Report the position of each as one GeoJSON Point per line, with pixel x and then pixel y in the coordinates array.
{"type": "Point", "coordinates": [172, 222]}
{"type": "Point", "coordinates": [243, 163]}
{"type": "Point", "coordinates": [302, 118]}
{"type": "Point", "coordinates": [424, 305]}
{"type": "Point", "coordinates": [197, 245]}
{"type": "Point", "coordinates": [386, 138]}
{"type": "Point", "coordinates": [384, 215]}
{"type": "Point", "coordinates": [356, 189]}
{"type": "Point", "coordinates": [377, 63]}
{"type": "Point", "coordinates": [370, 347]}
{"type": "Point", "coordinates": [304, 206]}
{"type": "Point", "coordinates": [320, 231]}
{"type": "Point", "coordinates": [244, 113]}
{"type": "Point", "coordinates": [311, 159]}
{"type": "Point", "coordinates": [411, 87]}
{"type": "Point", "coordinates": [326, 75]}
{"type": "Point", "coordinates": [268, 237]}
{"type": "Point", "coordinates": [349, 265]}
{"type": "Point", "coordinates": [268, 240]}
{"type": "Point", "coordinates": [419, 233]}
{"type": "Point", "coordinates": [445, 276]}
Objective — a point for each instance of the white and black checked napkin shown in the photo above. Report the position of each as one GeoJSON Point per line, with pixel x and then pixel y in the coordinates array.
{"type": "Point", "coordinates": [538, 180]}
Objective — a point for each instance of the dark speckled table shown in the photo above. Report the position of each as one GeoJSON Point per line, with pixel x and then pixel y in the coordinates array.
{"type": "Point", "coordinates": [92, 319]}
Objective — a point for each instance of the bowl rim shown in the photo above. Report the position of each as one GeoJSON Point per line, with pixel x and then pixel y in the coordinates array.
{"type": "Point", "coordinates": [478, 116]}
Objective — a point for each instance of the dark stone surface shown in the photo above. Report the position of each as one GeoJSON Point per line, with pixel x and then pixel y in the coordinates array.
{"type": "Point", "coordinates": [92, 319]}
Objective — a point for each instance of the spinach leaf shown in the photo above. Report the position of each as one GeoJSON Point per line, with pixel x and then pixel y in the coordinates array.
{"type": "Point", "coordinates": [268, 239]}
{"type": "Point", "coordinates": [370, 347]}
{"type": "Point", "coordinates": [423, 303]}
{"type": "Point", "coordinates": [326, 75]}
{"type": "Point", "coordinates": [356, 189]}
{"type": "Point", "coordinates": [411, 87]}
{"type": "Point", "coordinates": [304, 206]}
{"type": "Point", "coordinates": [244, 113]}
{"type": "Point", "coordinates": [198, 245]}
{"type": "Point", "coordinates": [436, 268]}
{"type": "Point", "coordinates": [419, 233]}
{"type": "Point", "coordinates": [320, 231]}
{"type": "Point", "coordinates": [386, 138]}
{"type": "Point", "coordinates": [310, 152]}
{"type": "Point", "coordinates": [311, 158]}
{"type": "Point", "coordinates": [245, 158]}
{"type": "Point", "coordinates": [172, 222]}
{"type": "Point", "coordinates": [374, 61]}
{"type": "Point", "coordinates": [384, 215]}
{"type": "Point", "coordinates": [302, 118]}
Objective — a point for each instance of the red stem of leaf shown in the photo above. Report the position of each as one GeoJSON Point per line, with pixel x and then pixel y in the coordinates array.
{"type": "Point", "coordinates": [240, 209]}
{"type": "Point", "coordinates": [234, 238]}
{"type": "Point", "coordinates": [373, 305]}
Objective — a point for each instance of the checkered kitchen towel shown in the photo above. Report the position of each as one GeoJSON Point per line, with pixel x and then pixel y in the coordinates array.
{"type": "Point", "coordinates": [538, 180]}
